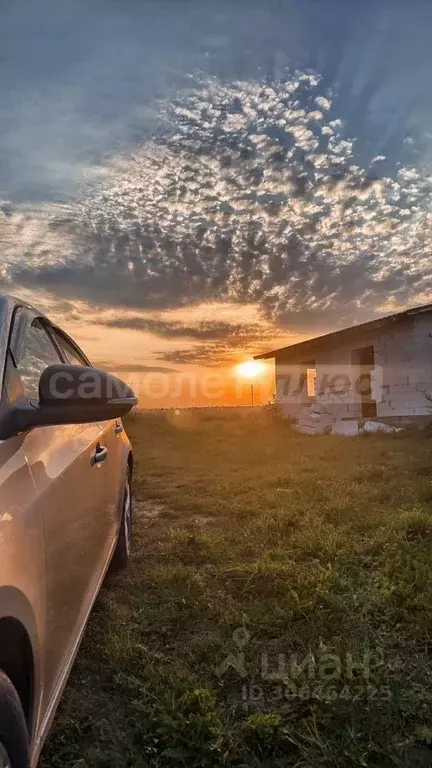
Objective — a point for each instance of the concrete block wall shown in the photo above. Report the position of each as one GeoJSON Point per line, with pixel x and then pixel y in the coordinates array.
{"type": "Point", "coordinates": [403, 371]}
{"type": "Point", "coordinates": [405, 354]}
{"type": "Point", "coordinates": [286, 385]}
{"type": "Point", "coordinates": [336, 382]}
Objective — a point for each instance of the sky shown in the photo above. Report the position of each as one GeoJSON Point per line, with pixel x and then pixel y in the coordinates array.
{"type": "Point", "coordinates": [186, 183]}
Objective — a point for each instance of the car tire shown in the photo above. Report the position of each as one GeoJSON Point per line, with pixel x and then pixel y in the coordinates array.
{"type": "Point", "coordinates": [14, 744]}
{"type": "Point", "coordinates": [123, 549]}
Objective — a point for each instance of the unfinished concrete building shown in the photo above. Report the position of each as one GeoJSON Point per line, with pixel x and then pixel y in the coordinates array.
{"type": "Point", "coordinates": [378, 370]}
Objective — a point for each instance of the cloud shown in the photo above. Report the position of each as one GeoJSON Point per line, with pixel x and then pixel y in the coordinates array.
{"type": "Point", "coordinates": [200, 354]}
{"type": "Point", "coordinates": [133, 367]}
{"type": "Point", "coordinates": [219, 339]}
{"type": "Point", "coordinates": [233, 334]}
{"type": "Point", "coordinates": [246, 195]}
{"type": "Point", "coordinates": [323, 103]}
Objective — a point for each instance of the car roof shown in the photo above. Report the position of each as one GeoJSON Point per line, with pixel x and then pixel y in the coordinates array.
{"type": "Point", "coordinates": [8, 302]}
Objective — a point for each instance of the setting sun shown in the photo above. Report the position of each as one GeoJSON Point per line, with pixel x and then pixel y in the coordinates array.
{"type": "Point", "coordinates": [250, 369]}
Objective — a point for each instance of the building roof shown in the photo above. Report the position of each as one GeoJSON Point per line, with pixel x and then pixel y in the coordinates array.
{"type": "Point", "coordinates": [337, 337]}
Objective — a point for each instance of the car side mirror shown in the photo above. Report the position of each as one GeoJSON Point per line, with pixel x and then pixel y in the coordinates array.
{"type": "Point", "coordinates": [75, 394]}
{"type": "Point", "coordinates": [70, 394]}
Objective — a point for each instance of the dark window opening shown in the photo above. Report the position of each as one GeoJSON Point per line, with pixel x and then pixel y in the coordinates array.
{"type": "Point", "coordinates": [364, 359]}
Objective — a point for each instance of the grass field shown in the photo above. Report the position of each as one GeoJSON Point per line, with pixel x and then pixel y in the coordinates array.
{"type": "Point", "coordinates": [277, 612]}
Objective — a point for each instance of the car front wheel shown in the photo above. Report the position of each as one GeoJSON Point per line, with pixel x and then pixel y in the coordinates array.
{"type": "Point", "coordinates": [123, 549]}
{"type": "Point", "coordinates": [14, 747]}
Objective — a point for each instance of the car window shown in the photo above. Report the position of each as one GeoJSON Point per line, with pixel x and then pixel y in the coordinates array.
{"type": "Point", "coordinates": [37, 353]}
{"type": "Point", "coordinates": [72, 354]}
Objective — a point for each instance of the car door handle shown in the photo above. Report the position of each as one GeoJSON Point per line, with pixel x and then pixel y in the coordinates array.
{"type": "Point", "coordinates": [118, 429]}
{"type": "Point", "coordinates": [100, 454]}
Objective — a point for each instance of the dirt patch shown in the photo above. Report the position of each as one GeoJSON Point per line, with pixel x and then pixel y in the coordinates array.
{"type": "Point", "coordinates": [202, 521]}
{"type": "Point", "coordinates": [149, 510]}
{"type": "Point", "coordinates": [152, 510]}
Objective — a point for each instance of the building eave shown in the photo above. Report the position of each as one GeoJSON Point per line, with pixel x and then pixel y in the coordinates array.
{"type": "Point", "coordinates": [345, 334]}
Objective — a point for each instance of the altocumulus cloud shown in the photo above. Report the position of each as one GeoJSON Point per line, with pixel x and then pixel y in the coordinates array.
{"type": "Point", "coordinates": [251, 193]}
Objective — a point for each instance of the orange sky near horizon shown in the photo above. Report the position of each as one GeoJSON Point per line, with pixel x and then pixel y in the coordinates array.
{"type": "Point", "coordinates": [135, 355]}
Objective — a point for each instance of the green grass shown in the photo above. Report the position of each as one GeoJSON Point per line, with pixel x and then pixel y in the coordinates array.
{"type": "Point", "coordinates": [252, 539]}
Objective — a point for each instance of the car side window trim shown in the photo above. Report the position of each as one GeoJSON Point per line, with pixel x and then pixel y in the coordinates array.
{"type": "Point", "coordinates": [62, 337]}
{"type": "Point", "coordinates": [50, 330]}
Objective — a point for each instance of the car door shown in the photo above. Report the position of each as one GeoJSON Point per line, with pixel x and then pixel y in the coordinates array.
{"type": "Point", "coordinates": [71, 489]}
{"type": "Point", "coordinates": [112, 438]}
